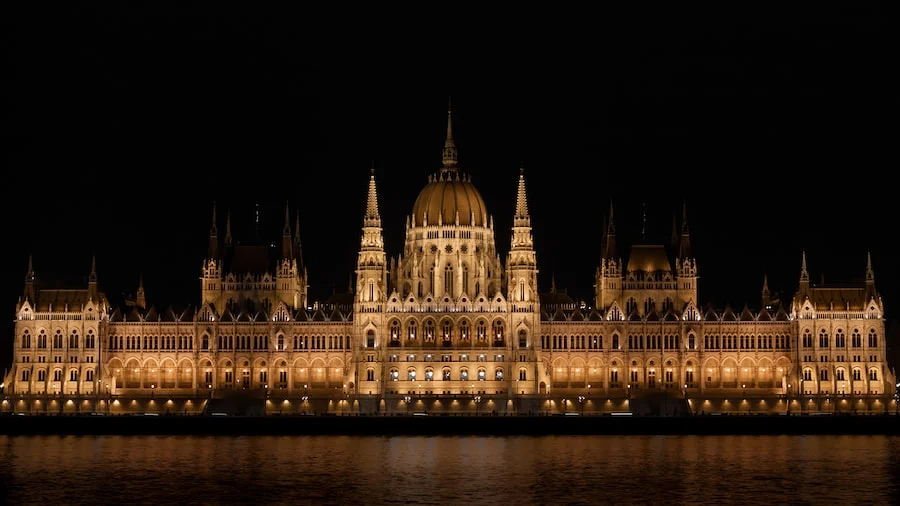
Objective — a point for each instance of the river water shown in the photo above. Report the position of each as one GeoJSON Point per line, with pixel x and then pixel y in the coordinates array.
{"type": "Point", "coordinates": [449, 470]}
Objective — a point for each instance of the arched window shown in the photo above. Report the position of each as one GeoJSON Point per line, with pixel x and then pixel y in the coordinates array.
{"type": "Point", "coordinates": [857, 375]}
{"type": "Point", "coordinates": [448, 280]}
{"type": "Point", "coordinates": [370, 374]}
{"type": "Point", "coordinates": [873, 374]}
{"type": "Point", "coordinates": [498, 374]}
{"type": "Point", "coordinates": [823, 375]}
{"type": "Point", "coordinates": [807, 339]}
{"type": "Point", "coordinates": [465, 279]}
{"type": "Point", "coordinates": [429, 330]}
{"type": "Point", "coordinates": [464, 374]}
{"type": "Point", "coordinates": [280, 344]}
{"type": "Point", "coordinates": [26, 374]}
{"type": "Point", "coordinates": [395, 375]}
{"type": "Point", "coordinates": [873, 339]}
{"type": "Point", "coordinates": [42, 340]}
{"type": "Point", "coordinates": [446, 374]}
{"type": "Point", "coordinates": [204, 343]}
{"type": "Point", "coordinates": [839, 340]}
{"type": "Point", "coordinates": [411, 326]}
{"type": "Point", "coordinates": [481, 330]}
{"type": "Point", "coordinates": [498, 330]}
{"type": "Point", "coordinates": [523, 374]}
{"type": "Point", "coordinates": [429, 374]}
{"type": "Point", "coordinates": [73, 375]}
{"type": "Point", "coordinates": [523, 338]}
{"type": "Point", "coordinates": [482, 374]}
{"type": "Point", "coordinates": [856, 338]}
{"type": "Point", "coordinates": [446, 327]}
{"type": "Point", "coordinates": [411, 375]}
{"type": "Point", "coordinates": [26, 339]}
{"type": "Point", "coordinates": [464, 330]}
{"type": "Point", "coordinates": [371, 290]}
{"type": "Point", "coordinates": [823, 339]}
{"type": "Point", "coordinates": [370, 338]}
{"type": "Point", "coordinates": [839, 375]}
{"type": "Point", "coordinates": [58, 340]}
{"type": "Point", "coordinates": [395, 330]}
{"type": "Point", "coordinates": [42, 375]}
{"type": "Point", "coordinates": [57, 375]}
{"type": "Point", "coordinates": [89, 375]}
{"type": "Point", "coordinates": [615, 342]}
{"type": "Point", "coordinates": [691, 342]}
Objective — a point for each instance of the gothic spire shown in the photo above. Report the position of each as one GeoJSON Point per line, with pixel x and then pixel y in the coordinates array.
{"type": "Point", "coordinates": [373, 219]}
{"type": "Point", "coordinates": [804, 274]}
{"type": "Point", "coordinates": [30, 274]}
{"type": "Point", "coordinates": [610, 251]}
{"type": "Point", "coordinates": [93, 276]}
{"type": "Point", "coordinates": [228, 228]}
{"type": "Point", "coordinates": [213, 251]}
{"type": "Point", "coordinates": [286, 238]}
{"type": "Point", "coordinates": [141, 298]}
{"type": "Point", "coordinates": [29, 281]}
{"type": "Point", "coordinates": [870, 274]}
{"type": "Point", "coordinates": [449, 146]}
{"type": "Point", "coordinates": [298, 252]}
{"type": "Point", "coordinates": [521, 199]}
{"type": "Point", "coordinates": [685, 249]}
{"type": "Point", "coordinates": [765, 289]}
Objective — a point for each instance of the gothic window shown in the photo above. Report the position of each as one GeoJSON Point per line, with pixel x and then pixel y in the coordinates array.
{"type": "Point", "coordinates": [691, 342]}
{"type": "Point", "coordinates": [839, 340]}
{"type": "Point", "coordinates": [411, 375]}
{"type": "Point", "coordinates": [411, 326]}
{"type": "Point", "coordinates": [498, 374]}
{"type": "Point", "coordinates": [26, 374]}
{"type": "Point", "coordinates": [429, 374]}
{"type": "Point", "coordinates": [523, 374]}
{"type": "Point", "coordinates": [446, 374]}
{"type": "Point", "coordinates": [464, 374]}
{"type": "Point", "coordinates": [839, 375]}
{"type": "Point", "coordinates": [614, 378]}
{"type": "Point", "coordinates": [481, 330]}
{"type": "Point", "coordinates": [615, 341]}
{"type": "Point", "coordinates": [204, 343]}
{"type": "Point", "coordinates": [42, 340]}
{"type": "Point", "coordinates": [498, 330]}
{"type": "Point", "coordinates": [523, 339]}
{"type": "Point", "coordinates": [429, 330]}
{"type": "Point", "coordinates": [823, 339]}
{"type": "Point", "coordinates": [395, 375]}
{"type": "Point", "coordinates": [370, 338]}
{"type": "Point", "coordinates": [42, 375]}
{"type": "Point", "coordinates": [58, 340]}
{"type": "Point", "coordinates": [873, 339]}
{"type": "Point", "coordinates": [73, 375]}
{"type": "Point", "coordinates": [465, 277]}
{"type": "Point", "coordinates": [446, 330]}
{"type": "Point", "coordinates": [630, 306]}
{"type": "Point", "coordinates": [807, 375]}
{"type": "Point", "coordinates": [26, 339]}
{"type": "Point", "coordinates": [857, 375]}
{"type": "Point", "coordinates": [482, 374]}
{"type": "Point", "coordinates": [280, 344]}
{"type": "Point", "coordinates": [873, 374]}
{"type": "Point", "coordinates": [807, 339]}
{"type": "Point", "coordinates": [448, 280]}
{"type": "Point", "coordinates": [823, 375]}
{"type": "Point", "coordinates": [57, 375]}
{"type": "Point", "coordinates": [464, 330]}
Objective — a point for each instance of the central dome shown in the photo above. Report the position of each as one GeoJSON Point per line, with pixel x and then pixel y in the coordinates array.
{"type": "Point", "coordinates": [445, 196]}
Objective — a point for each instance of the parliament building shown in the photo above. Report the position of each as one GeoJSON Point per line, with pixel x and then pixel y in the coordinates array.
{"type": "Point", "coordinates": [448, 326]}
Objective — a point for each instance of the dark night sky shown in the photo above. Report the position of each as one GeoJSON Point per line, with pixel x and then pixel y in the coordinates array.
{"type": "Point", "coordinates": [121, 128]}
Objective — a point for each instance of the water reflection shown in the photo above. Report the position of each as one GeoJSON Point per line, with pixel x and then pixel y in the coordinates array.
{"type": "Point", "coordinates": [441, 470]}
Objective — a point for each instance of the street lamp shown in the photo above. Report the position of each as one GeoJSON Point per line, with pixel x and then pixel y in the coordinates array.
{"type": "Point", "coordinates": [407, 399]}
{"type": "Point", "coordinates": [477, 402]}
{"type": "Point", "coordinates": [581, 401]}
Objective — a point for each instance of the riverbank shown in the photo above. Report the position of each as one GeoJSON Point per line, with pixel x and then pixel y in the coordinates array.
{"type": "Point", "coordinates": [449, 425]}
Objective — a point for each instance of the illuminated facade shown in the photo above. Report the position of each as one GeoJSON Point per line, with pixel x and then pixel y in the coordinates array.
{"type": "Point", "coordinates": [446, 325]}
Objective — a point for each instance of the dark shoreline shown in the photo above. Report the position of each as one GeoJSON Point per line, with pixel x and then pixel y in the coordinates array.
{"type": "Point", "coordinates": [448, 425]}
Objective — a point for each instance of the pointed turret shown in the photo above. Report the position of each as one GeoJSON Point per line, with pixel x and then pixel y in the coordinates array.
{"type": "Point", "coordinates": [870, 277]}
{"type": "Point", "coordinates": [804, 277]}
{"type": "Point", "coordinates": [213, 251]}
{"type": "Point", "coordinates": [298, 251]}
{"type": "Point", "coordinates": [521, 263]}
{"type": "Point", "coordinates": [766, 298]}
{"type": "Point", "coordinates": [684, 250]}
{"type": "Point", "coordinates": [141, 299]}
{"type": "Point", "coordinates": [521, 197]}
{"type": "Point", "coordinates": [92, 279]}
{"type": "Point", "coordinates": [29, 281]}
{"type": "Point", "coordinates": [611, 251]}
{"type": "Point", "coordinates": [228, 240]}
{"type": "Point", "coordinates": [449, 146]}
{"type": "Point", "coordinates": [286, 239]}
{"type": "Point", "coordinates": [373, 218]}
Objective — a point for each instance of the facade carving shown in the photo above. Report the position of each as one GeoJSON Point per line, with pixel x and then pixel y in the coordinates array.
{"type": "Point", "coordinates": [446, 325]}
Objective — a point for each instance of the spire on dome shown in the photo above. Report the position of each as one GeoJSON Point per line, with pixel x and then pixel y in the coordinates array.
{"type": "Point", "coordinates": [449, 145]}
